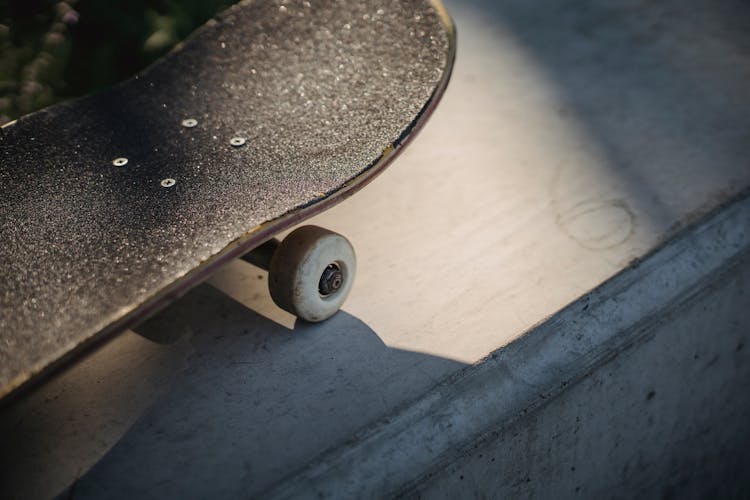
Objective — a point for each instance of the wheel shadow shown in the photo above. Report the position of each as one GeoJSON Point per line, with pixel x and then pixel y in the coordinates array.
{"type": "Point", "coordinates": [237, 402]}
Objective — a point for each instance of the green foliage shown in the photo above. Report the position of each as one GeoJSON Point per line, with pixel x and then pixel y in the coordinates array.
{"type": "Point", "coordinates": [51, 51]}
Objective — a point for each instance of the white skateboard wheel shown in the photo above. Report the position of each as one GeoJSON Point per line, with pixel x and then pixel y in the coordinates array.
{"type": "Point", "coordinates": [311, 273]}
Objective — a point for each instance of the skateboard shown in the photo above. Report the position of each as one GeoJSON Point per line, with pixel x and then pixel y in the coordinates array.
{"type": "Point", "coordinates": [117, 203]}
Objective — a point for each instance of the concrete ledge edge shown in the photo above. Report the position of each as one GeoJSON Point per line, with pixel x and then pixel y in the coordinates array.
{"type": "Point", "coordinates": [399, 451]}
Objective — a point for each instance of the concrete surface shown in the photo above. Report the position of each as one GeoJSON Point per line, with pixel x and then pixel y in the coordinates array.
{"type": "Point", "coordinates": [572, 404]}
{"type": "Point", "coordinates": [575, 140]}
{"type": "Point", "coordinates": [663, 413]}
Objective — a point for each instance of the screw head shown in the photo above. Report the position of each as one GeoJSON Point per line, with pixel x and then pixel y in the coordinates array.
{"type": "Point", "coordinates": [168, 182]}
{"type": "Point", "coordinates": [189, 122]}
{"type": "Point", "coordinates": [120, 162]}
{"type": "Point", "coordinates": [237, 141]}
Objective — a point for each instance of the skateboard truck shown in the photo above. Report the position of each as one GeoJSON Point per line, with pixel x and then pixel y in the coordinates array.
{"type": "Point", "coordinates": [310, 272]}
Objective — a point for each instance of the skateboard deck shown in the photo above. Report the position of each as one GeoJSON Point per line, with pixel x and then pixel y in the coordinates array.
{"type": "Point", "coordinates": [116, 203]}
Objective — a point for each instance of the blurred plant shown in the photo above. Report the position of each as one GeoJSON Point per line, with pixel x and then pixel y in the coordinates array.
{"type": "Point", "coordinates": [53, 50]}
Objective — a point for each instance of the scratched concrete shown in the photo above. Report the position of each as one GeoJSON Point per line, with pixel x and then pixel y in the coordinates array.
{"type": "Point", "coordinates": [667, 416]}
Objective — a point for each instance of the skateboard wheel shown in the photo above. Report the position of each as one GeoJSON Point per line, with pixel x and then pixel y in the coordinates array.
{"type": "Point", "coordinates": [311, 273]}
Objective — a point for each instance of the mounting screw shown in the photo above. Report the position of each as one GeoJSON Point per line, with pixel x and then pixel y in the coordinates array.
{"type": "Point", "coordinates": [237, 141]}
{"type": "Point", "coordinates": [189, 122]}
{"type": "Point", "coordinates": [120, 162]}
{"type": "Point", "coordinates": [168, 182]}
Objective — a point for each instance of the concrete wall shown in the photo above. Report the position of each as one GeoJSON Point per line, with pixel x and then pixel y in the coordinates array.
{"type": "Point", "coordinates": [639, 388]}
{"type": "Point", "coordinates": [666, 417]}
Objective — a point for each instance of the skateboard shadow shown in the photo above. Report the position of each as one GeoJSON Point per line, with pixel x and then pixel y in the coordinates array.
{"type": "Point", "coordinates": [242, 402]}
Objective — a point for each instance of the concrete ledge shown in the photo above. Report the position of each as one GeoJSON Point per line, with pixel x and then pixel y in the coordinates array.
{"type": "Point", "coordinates": [572, 140]}
{"type": "Point", "coordinates": [511, 386]}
